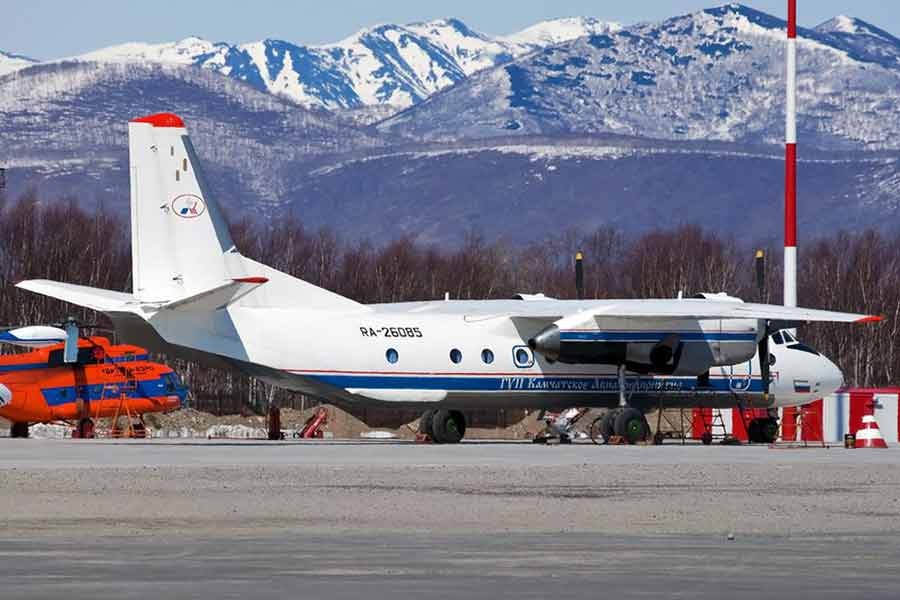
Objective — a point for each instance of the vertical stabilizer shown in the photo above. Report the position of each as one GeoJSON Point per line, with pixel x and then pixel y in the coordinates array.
{"type": "Point", "coordinates": [178, 234]}
{"type": "Point", "coordinates": [180, 244]}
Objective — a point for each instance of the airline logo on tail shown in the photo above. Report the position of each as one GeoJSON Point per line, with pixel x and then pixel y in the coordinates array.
{"type": "Point", "coordinates": [188, 206]}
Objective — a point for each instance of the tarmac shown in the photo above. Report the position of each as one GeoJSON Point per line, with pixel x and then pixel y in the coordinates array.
{"type": "Point", "coordinates": [214, 519]}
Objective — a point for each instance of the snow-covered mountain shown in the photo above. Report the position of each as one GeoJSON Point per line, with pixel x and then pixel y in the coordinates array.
{"type": "Point", "coordinates": [386, 65]}
{"type": "Point", "coordinates": [13, 62]}
{"type": "Point", "coordinates": [576, 114]}
{"type": "Point", "coordinates": [63, 131]}
{"type": "Point", "coordinates": [366, 77]}
{"type": "Point", "coordinates": [716, 74]}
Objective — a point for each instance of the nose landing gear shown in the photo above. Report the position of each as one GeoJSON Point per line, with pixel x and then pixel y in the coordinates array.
{"type": "Point", "coordinates": [763, 430]}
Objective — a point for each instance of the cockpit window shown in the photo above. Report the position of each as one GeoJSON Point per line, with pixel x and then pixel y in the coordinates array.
{"type": "Point", "coordinates": [86, 356]}
{"type": "Point", "coordinates": [803, 348]}
{"type": "Point", "coordinates": [788, 338]}
{"type": "Point", "coordinates": [777, 338]}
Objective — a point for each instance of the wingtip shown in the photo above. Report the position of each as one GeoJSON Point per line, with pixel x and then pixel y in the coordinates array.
{"type": "Point", "coordinates": [871, 319]}
{"type": "Point", "coordinates": [256, 280]}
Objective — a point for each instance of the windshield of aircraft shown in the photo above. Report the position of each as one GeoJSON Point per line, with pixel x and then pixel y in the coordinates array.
{"type": "Point", "coordinates": [86, 356]}
{"type": "Point", "coordinates": [782, 338]}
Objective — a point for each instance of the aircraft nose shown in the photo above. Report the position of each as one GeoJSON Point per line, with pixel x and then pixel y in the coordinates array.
{"type": "Point", "coordinates": [832, 379]}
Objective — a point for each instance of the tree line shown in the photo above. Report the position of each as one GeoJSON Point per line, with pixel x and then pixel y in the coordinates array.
{"type": "Point", "coordinates": [858, 272]}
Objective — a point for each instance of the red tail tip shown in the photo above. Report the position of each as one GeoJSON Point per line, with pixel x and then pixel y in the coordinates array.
{"type": "Point", "coordinates": [161, 120]}
{"type": "Point", "coordinates": [872, 319]}
{"type": "Point", "coordinates": [259, 280]}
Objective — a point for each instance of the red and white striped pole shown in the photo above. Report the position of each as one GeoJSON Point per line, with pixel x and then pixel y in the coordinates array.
{"type": "Point", "coordinates": [790, 179]}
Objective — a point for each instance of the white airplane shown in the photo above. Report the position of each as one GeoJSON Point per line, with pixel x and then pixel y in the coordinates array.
{"type": "Point", "coordinates": [194, 295]}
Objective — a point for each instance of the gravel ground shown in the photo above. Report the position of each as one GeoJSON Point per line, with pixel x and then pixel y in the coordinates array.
{"type": "Point", "coordinates": [52, 488]}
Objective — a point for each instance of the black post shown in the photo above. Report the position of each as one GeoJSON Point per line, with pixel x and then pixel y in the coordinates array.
{"type": "Point", "coordinates": [761, 274]}
{"type": "Point", "coordinates": [579, 276]}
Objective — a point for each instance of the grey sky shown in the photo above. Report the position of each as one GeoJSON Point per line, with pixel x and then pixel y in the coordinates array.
{"type": "Point", "coordinates": [47, 29]}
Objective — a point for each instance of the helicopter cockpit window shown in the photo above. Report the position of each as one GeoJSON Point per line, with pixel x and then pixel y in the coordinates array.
{"type": "Point", "coordinates": [777, 338]}
{"type": "Point", "coordinates": [86, 356]}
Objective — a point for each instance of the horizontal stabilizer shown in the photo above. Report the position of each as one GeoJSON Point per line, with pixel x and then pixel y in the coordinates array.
{"type": "Point", "coordinates": [218, 297]}
{"type": "Point", "coordinates": [80, 295]}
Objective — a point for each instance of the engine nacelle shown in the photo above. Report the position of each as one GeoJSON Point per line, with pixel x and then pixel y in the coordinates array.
{"type": "Point", "coordinates": [689, 353]}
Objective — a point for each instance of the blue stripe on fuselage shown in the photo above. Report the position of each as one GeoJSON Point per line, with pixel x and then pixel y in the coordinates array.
{"type": "Point", "coordinates": [56, 396]}
{"type": "Point", "coordinates": [531, 383]}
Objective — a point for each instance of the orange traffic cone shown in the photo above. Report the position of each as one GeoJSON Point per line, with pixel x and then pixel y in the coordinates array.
{"type": "Point", "coordinates": [870, 436]}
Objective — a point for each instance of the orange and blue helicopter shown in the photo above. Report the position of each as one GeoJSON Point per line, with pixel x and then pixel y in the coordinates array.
{"type": "Point", "coordinates": [74, 379]}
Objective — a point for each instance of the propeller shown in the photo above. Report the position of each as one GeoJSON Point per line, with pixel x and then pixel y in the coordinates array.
{"type": "Point", "coordinates": [764, 365]}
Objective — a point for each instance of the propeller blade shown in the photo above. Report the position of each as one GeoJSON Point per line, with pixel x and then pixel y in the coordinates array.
{"type": "Point", "coordinates": [764, 362]}
{"type": "Point", "coordinates": [70, 354]}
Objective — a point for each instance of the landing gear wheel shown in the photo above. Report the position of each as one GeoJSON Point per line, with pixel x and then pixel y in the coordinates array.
{"type": "Point", "coordinates": [18, 430]}
{"type": "Point", "coordinates": [763, 431]}
{"type": "Point", "coordinates": [658, 438]}
{"type": "Point", "coordinates": [603, 427]}
{"type": "Point", "coordinates": [460, 422]}
{"type": "Point", "coordinates": [425, 424]}
{"type": "Point", "coordinates": [753, 431]}
{"type": "Point", "coordinates": [706, 438]}
{"type": "Point", "coordinates": [85, 429]}
{"type": "Point", "coordinates": [768, 431]}
{"type": "Point", "coordinates": [449, 426]}
{"type": "Point", "coordinates": [632, 426]}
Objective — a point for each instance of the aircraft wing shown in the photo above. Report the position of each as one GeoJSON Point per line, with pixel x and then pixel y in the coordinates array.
{"type": "Point", "coordinates": [709, 309]}
{"type": "Point", "coordinates": [698, 309]}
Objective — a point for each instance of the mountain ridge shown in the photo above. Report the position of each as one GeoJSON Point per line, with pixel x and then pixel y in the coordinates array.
{"type": "Point", "coordinates": [636, 126]}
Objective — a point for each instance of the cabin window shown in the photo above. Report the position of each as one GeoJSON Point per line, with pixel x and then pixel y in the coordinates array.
{"type": "Point", "coordinates": [184, 165]}
{"type": "Point", "coordinates": [777, 338]}
{"type": "Point", "coordinates": [456, 356]}
{"type": "Point", "coordinates": [487, 357]}
{"type": "Point", "coordinates": [392, 356]}
{"type": "Point", "coordinates": [523, 357]}
{"type": "Point", "coordinates": [177, 175]}
{"type": "Point", "coordinates": [171, 150]}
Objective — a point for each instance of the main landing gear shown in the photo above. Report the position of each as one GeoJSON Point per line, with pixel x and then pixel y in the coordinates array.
{"type": "Point", "coordinates": [627, 425]}
{"type": "Point", "coordinates": [18, 430]}
{"type": "Point", "coordinates": [624, 424]}
{"type": "Point", "coordinates": [442, 426]}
